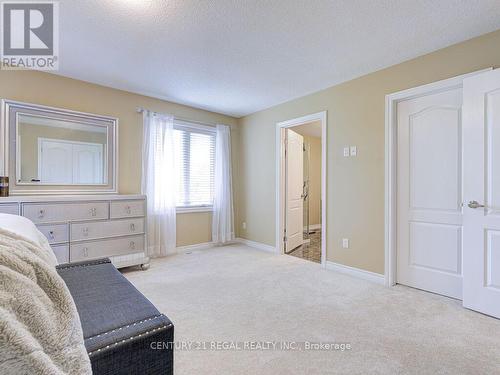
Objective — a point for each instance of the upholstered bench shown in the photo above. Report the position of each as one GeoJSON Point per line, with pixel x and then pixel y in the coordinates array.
{"type": "Point", "coordinates": [121, 327]}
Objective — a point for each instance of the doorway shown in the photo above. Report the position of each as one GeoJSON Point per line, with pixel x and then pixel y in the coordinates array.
{"type": "Point", "coordinates": [301, 183]}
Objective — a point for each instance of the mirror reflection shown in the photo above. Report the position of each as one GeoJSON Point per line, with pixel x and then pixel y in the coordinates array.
{"type": "Point", "coordinates": [59, 152]}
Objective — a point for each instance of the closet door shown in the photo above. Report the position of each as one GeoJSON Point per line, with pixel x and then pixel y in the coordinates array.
{"type": "Point", "coordinates": [55, 162]}
{"type": "Point", "coordinates": [87, 164]}
{"type": "Point", "coordinates": [481, 109]}
{"type": "Point", "coordinates": [429, 237]}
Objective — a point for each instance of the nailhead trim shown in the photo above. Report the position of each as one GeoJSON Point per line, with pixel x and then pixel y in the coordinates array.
{"type": "Point", "coordinates": [84, 265]}
{"type": "Point", "coordinates": [123, 327]}
{"type": "Point", "coordinates": [128, 339]}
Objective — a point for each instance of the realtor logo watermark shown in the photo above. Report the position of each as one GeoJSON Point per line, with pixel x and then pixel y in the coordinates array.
{"type": "Point", "coordinates": [30, 35]}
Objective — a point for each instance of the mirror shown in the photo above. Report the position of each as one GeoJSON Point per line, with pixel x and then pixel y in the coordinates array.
{"type": "Point", "coordinates": [52, 151]}
{"type": "Point", "coordinates": [51, 147]}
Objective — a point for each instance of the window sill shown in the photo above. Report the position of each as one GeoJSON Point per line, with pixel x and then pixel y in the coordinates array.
{"type": "Point", "coordinates": [187, 210]}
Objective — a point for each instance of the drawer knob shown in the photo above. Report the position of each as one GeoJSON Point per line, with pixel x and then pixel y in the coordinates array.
{"type": "Point", "coordinates": [85, 231]}
{"type": "Point", "coordinates": [132, 227]}
{"type": "Point", "coordinates": [85, 252]}
{"type": "Point", "coordinates": [41, 213]}
{"type": "Point", "coordinates": [51, 235]}
{"type": "Point", "coordinates": [93, 211]}
{"type": "Point", "coordinates": [128, 210]}
{"type": "Point", "coordinates": [132, 244]}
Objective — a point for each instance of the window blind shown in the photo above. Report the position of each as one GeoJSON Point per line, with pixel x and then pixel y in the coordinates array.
{"type": "Point", "coordinates": [195, 165]}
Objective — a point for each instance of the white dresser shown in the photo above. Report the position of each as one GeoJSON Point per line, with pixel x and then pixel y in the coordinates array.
{"type": "Point", "coordinates": [88, 227]}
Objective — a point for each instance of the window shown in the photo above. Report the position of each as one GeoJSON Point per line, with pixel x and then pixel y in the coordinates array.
{"type": "Point", "coordinates": [195, 164]}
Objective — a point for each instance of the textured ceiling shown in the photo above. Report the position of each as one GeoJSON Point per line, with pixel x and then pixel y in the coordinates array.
{"type": "Point", "coordinates": [238, 57]}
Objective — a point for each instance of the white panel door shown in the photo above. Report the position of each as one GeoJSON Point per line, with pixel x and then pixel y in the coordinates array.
{"type": "Point", "coordinates": [55, 162]}
{"type": "Point", "coordinates": [87, 163]}
{"type": "Point", "coordinates": [294, 190]}
{"type": "Point", "coordinates": [429, 234]}
{"type": "Point", "coordinates": [482, 193]}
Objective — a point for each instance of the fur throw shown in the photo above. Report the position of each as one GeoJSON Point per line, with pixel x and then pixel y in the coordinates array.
{"type": "Point", "coordinates": [40, 330]}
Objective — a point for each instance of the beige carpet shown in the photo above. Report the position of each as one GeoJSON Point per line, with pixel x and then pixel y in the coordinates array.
{"type": "Point", "coordinates": [236, 294]}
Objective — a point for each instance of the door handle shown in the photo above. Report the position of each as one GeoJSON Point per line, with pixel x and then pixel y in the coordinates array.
{"type": "Point", "coordinates": [475, 204]}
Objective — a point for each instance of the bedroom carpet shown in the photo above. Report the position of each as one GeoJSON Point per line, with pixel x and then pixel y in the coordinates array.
{"type": "Point", "coordinates": [226, 297]}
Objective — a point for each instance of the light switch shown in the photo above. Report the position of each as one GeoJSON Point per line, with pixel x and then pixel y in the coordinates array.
{"type": "Point", "coordinates": [346, 151]}
{"type": "Point", "coordinates": [244, 225]}
{"type": "Point", "coordinates": [345, 243]}
{"type": "Point", "coordinates": [354, 150]}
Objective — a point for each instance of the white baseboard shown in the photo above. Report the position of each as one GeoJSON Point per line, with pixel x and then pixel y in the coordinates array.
{"type": "Point", "coordinates": [198, 246]}
{"type": "Point", "coordinates": [356, 272]}
{"type": "Point", "coordinates": [315, 227]}
{"type": "Point", "coordinates": [256, 245]}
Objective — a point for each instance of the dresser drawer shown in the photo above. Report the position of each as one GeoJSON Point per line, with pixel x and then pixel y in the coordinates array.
{"type": "Point", "coordinates": [11, 208]}
{"type": "Point", "coordinates": [55, 233]}
{"type": "Point", "coordinates": [61, 252]}
{"type": "Point", "coordinates": [106, 248]}
{"type": "Point", "coordinates": [60, 212]}
{"type": "Point", "coordinates": [122, 209]}
{"type": "Point", "coordinates": [105, 229]}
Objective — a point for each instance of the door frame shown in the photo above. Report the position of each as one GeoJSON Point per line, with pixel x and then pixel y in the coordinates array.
{"type": "Point", "coordinates": [280, 175]}
{"type": "Point", "coordinates": [391, 146]}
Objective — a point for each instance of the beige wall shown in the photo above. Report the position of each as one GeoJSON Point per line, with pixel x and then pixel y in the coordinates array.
{"type": "Point", "coordinates": [57, 91]}
{"type": "Point", "coordinates": [194, 228]}
{"type": "Point", "coordinates": [314, 145]}
{"type": "Point", "coordinates": [355, 186]}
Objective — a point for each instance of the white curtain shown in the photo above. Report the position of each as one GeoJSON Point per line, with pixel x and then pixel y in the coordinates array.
{"type": "Point", "coordinates": [159, 183]}
{"type": "Point", "coordinates": [223, 216]}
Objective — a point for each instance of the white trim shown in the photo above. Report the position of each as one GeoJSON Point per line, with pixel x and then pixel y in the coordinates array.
{"type": "Point", "coordinates": [314, 227]}
{"type": "Point", "coordinates": [197, 246]}
{"type": "Point", "coordinates": [193, 209]}
{"type": "Point", "coordinates": [391, 102]}
{"type": "Point", "coordinates": [4, 141]}
{"type": "Point", "coordinates": [256, 245]}
{"type": "Point", "coordinates": [280, 126]}
{"type": "Point", "coordinates": [356, 272]}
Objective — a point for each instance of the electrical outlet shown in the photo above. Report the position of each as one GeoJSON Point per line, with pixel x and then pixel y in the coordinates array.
{"type": "Point", "coordinates": [346, 151]}
{"type": "Point", "coordinates": [345, 243]}
{"type": "Point", "coordinates": [354, 151]}
{"type": "Point", "coordinates": [244, 225]}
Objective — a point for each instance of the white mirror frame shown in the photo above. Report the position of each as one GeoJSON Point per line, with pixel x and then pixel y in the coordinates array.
{"type": "Point", "coordinates": [7, 153]}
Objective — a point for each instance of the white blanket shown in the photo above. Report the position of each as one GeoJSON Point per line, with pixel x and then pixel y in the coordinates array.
{"type": "Point", "coordinates": [23, 227]}
{"type": "Point", "coordinates": [40, 330]}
